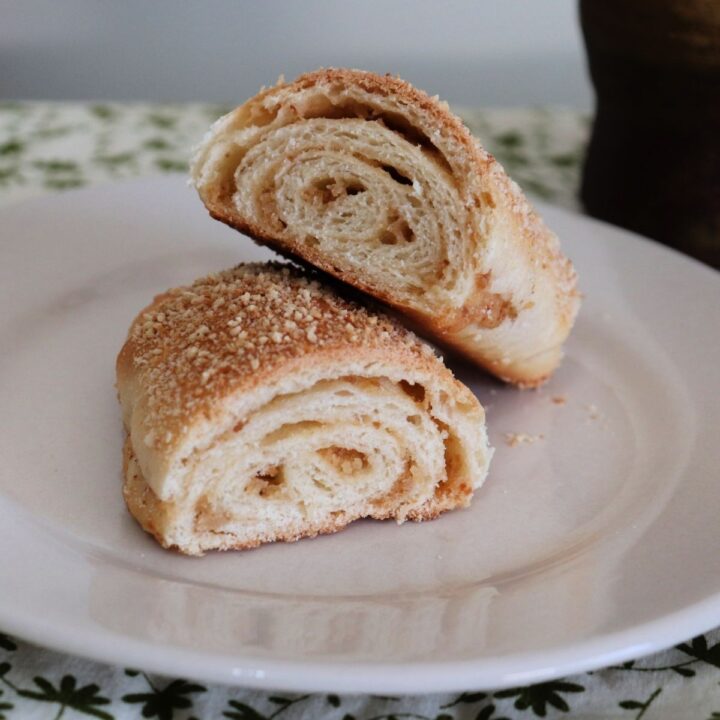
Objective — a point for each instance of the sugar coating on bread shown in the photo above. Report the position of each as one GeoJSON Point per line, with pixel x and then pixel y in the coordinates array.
{"type": "Point", "coordinates": [260, 405]}
{"type": "Point", "coordinates": [382, 186]}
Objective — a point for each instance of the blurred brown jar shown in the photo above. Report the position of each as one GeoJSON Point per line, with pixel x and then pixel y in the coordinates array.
{"type": "Point", "coordinates": [653, 164]}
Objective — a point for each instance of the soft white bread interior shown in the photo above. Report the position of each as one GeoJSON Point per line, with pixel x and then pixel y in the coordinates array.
{"type": "Point", "coordinates": [382, 186]}
{"type": "Point", "coordinates": [261, 406]}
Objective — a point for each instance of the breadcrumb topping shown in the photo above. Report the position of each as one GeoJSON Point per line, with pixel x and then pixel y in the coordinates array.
{"type": "Point", "coordinates": [195, 343]}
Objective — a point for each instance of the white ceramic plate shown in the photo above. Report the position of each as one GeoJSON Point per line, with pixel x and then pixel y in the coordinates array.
{"type": "Point", "coordinates": [596, 543]}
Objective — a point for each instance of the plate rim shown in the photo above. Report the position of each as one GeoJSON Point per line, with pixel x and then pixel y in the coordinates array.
{"type": "Point", "coordinates": [426, 677]}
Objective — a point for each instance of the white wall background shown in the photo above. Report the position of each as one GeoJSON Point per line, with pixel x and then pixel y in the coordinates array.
{"type": "Point", "coordinates": [472, 52]}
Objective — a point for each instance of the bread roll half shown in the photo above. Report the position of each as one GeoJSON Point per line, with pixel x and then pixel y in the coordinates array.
{"type": "Point", "coordinates": [380, 185]}
{"type": "Point", "coordinates": [261, 406]}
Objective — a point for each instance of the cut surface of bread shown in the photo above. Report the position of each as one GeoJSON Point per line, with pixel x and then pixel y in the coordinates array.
{"type": "Point", "coordinates": [260, 406]}
{"type": "Point", "coordinates": [380, 185]}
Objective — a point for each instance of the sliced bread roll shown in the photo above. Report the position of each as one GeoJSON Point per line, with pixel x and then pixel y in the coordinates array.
{"type": "Point", "coordinates": [261, 406]}
{"type": "Point", "coordinates": [380, 185]}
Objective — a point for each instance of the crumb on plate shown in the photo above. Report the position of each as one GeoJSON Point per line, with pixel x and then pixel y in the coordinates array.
{"type": "Point", "coordinates": [593, 411]}
{"type": "Point", "coordinates": [515, 439]}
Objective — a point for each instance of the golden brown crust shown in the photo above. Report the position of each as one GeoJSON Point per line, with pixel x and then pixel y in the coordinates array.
{"type": "Point", "coordinates": [482, 185]}
{"type": "Point", "coordinates": [142, 503]}
{"type": "Point", "coordinates": [204, 361]}
{"type": "Point", "coordinates": [235, 330]}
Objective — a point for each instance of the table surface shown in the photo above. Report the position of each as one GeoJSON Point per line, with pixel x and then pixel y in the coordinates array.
{"type": "Point", "coordinates": [54, 147]}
